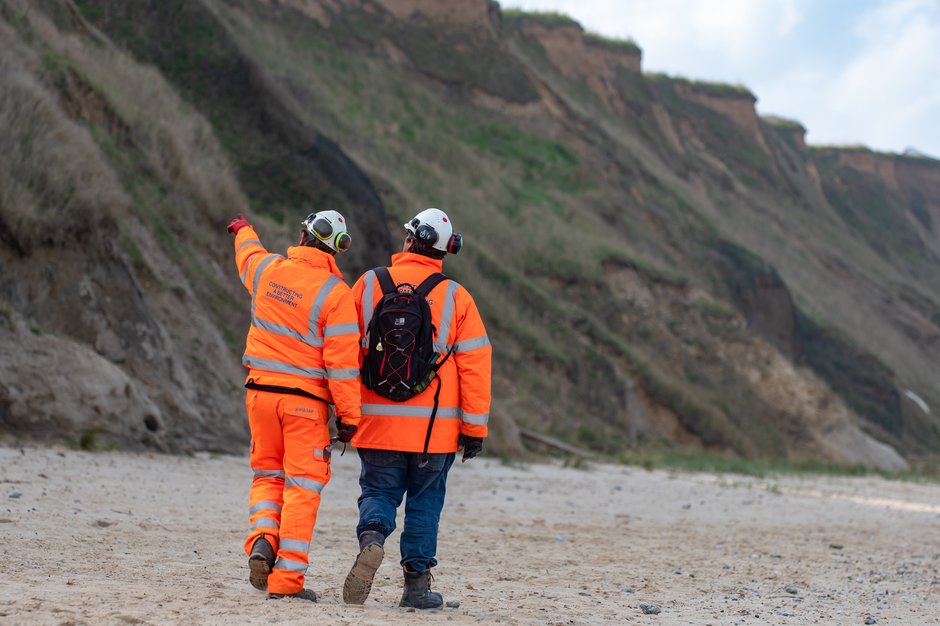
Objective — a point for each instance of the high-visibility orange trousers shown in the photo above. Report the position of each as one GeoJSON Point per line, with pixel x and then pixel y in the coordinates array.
{"type": "Point", "coordinates": [290, 456]}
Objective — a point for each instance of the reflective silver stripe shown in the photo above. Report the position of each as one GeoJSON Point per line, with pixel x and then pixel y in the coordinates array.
{"type": "Point", "coordinates": [312, 338]}
{"type": "Point", "coordinates": [368, 304]}
{"type": "Point", "coordinates": [447, 315]}
{"type": "Point", "coordinates": [293, 544]}
{"type": "Point", "coordinates": [317, 452]}
{"type": "Point", "coordinates": [281, 367]}
{"type": "Point", "coordinates": [405, 410]}
{"type": "Point", "coordinates": [292, 565]}
{"type": "Point", "coordinates": [340, 329]}
{"type": "Point", "coordinates": [348, 374]}
{"type": "Point", "coordinates": [264, 505]}
{"type": "Point", "coordinates": [305, 483]}
{"type": "Point", "coordinates": [313, 324]}
{"type": "Point", "coordinates": [475, 418]}
{"type": "Point", "coordinates": [277, 329]}
{"type": "Point", "coordinates": [269, 473]}
{"type": "Point", "coordinates": [280, 329]}
{"type": "Point", "coordinates": [254, 286]}
{"type": "Point", "coordinates": [244, 275]}
{"type": "Point", "coordinates": [245, 243]}
{"type": "Point", "coordinates": [265, 522]}
{"type": "Point", "coordinates": [472, 344]}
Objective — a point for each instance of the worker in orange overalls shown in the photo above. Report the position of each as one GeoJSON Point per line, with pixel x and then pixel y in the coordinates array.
{"type": "Point", "coordinates": [407, 447]}
{"type": "Point", "coordinates": [302, 355]}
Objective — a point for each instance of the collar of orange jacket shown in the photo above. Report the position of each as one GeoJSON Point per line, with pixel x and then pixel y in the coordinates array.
{"type": "Point", "coordinates": [314, 257]}
{"type": "Point", "coordinates": [410, 258]}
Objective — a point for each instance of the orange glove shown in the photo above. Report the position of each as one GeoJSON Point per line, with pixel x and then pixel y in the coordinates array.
{"type": "Point", "coordinates": [237, 224]}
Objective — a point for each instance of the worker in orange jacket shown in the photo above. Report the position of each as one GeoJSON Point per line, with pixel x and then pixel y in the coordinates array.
{"type": "Point", "coordinates": [407, 447]}
{"type": "Point", "coordinates": [302, 355]}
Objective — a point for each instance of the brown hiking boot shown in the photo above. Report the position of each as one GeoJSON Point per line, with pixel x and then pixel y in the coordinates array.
{"type": "Point", "coordinates": [260, 562]}
{"type": "Point", "coordinates": [418, 594]}
{"type": "Point", "coordinates": [359, 580]}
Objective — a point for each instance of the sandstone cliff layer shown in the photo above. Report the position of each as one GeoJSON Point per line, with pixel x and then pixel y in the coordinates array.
{"type": "Point", "coordinates": [655, 262]}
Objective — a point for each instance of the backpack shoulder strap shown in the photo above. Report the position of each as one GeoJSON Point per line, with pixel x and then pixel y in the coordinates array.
{"type": "Point", "coordinates": [385, 280]}
{"type": "Point", "coordinates": [430, 283]}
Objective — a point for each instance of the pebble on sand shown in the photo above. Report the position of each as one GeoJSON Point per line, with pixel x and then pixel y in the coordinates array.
{"type": "Point", "coordinates": [793, 589]}
{"type": "Point", "coordinates": [870, 620]}
{"type": "Point", "coordinates": [453, 604]}
{"type": "Point", "coordinates": [650, 609]}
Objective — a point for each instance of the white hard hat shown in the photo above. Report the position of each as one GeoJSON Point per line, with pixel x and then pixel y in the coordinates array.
{"type": "Point", "coordinates": [330, 228]}
{"type": "Point", "coordinates": [433, 228]}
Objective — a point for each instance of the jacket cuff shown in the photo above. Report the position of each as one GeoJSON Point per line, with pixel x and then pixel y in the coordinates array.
{"type": "Point", "coordinates": [474, 430]}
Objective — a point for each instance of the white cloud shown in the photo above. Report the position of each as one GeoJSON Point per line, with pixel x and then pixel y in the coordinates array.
{"type": "Point", "coordinates": [881, 24]}
{"type": "Point", "coordinates": [791, 15]}
{"type": "Point", "coordinates": [888, 94]}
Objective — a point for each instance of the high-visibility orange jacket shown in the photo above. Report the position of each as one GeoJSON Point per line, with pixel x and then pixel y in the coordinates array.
{"type": "Point", "coordinates": [464, 403]}
{"type": "Point", "coordinates": [304, 333]}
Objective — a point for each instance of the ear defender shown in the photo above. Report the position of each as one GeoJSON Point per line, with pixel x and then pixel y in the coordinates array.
{"type": "Point", "coordinates": [426, 234]}
{"type": "Point", "coordinates": [342, 242]}
{"type": "Point", "coordinates": [322, 228]}
{"type": "Point", "coordinates": [455, 243]}
{"type": "Point", "coordinates": [432, 229]}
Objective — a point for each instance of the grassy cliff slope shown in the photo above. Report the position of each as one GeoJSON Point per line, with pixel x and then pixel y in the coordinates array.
{"type": "Point", "coordinates": [654, 261]}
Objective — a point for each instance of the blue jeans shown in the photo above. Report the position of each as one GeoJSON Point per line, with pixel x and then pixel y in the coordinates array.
{"type": "Point", "coordinates": [385, 478]}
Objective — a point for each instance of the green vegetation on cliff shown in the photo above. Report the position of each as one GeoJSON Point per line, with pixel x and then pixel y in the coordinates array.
{"type": "Point", "coordinates": [652, 259]}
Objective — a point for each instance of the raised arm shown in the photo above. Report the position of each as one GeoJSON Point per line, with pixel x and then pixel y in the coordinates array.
{"type": "Point", "coordinates": [249, 252]}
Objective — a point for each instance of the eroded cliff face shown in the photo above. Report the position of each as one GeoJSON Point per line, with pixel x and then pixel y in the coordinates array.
{"type": "Point", "coordinates": [919, 180]}
{"type": "Point", "coordinates": [916, 179]}
{"type": "Point", "coordinates": [689, 271]}
{"type": "Point", "coordinates": [737, 107]}
{"type": "Point", "coordinates": [123, 324]}
{"type": "Point", "coordinates": [789, 406]}
{"type": "Point", "coordinates": [451, 14]}
{"type": "Point", "coordinates": [816, 423]}
{"type": "Point", "coordinates": [581, 57]}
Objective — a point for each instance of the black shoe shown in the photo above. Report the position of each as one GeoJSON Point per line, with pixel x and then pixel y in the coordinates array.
{"type": "Point", "coordinates": [418, 594]}
{"type": "Point", "coordinates": [359, 579]}
{"type": "Point", "coordinates": [303, 594]}
{"type": "Point", "coordinates": [260, 562]}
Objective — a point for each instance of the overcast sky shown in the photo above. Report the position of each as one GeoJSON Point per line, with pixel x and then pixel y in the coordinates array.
{"type": "Point", "coordinates": [852, 71]}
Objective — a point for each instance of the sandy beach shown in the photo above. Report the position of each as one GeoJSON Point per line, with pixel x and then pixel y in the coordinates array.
{"type": "Point", "coordinates": [117, 538]}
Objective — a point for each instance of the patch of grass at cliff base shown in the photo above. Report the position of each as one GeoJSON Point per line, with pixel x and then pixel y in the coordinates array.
{"type": "Point", "coordinates": [693, 459]}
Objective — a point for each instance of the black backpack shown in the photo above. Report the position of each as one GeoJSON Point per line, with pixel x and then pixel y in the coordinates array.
{"type": "Point", "coordinates": [401, 362]}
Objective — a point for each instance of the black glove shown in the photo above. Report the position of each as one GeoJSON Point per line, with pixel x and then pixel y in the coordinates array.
{"type": "Point", "coordinates": [344, 432]}
{"type": "Point", "coordinates": [472, 446]}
